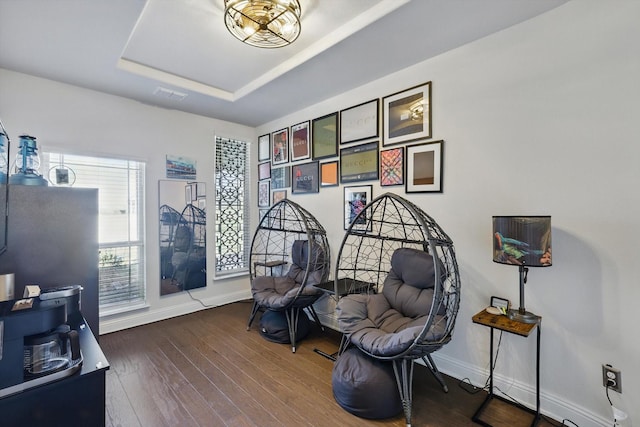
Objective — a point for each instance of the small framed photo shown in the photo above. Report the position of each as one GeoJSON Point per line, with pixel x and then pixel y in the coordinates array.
{"type": "Point", "coordinates": [305, 178]}
{"type": "Point", "coordinates": [264, 147]}
{"type": "Point", "coordinates": [262, 212]}
{"type": "Point", "coordinates": [500, 303]}
{"type": "Point", "coordinates": [264, 171]}
{"type": "Point", "coordinates": [355, 199]}
{"type": "Point", "coordinates": [360, 122]}
{"type": "Point", "coordinates": [281, 177]}
{"type": "Point", "coordinates": [392, 167]}
{"type": "Point", "coordinates": [407, 115]}
{"type": "Point", "coordinates": [300, 141]}
{"type": "Point", "coordinates": [329, 174]}
{"type": "Point", "coordinates": [359, 163]}
{"type": "Point", "coordinates": [324, 136]}
{"type": "Point", "coordinates": [263, 194]}
{"type": "Point", "coordinates": [278, 195]}
{"type": "Point", "coordinates": [424, 168]}
{"type": "Point", "coordinates": [280, 146]}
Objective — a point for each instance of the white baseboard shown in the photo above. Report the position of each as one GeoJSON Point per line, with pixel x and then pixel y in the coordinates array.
{"type": "Point", "coordinates": [551, 405]}
{"type": "Point", "coordinates": [146, 315]}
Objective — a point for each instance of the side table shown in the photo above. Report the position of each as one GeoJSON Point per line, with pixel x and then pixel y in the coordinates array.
{"type": "Point", "coordinates": [503, 323]}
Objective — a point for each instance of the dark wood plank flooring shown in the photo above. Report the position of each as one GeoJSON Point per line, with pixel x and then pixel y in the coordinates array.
{"type": "Point", "coordinates": [205, 369]}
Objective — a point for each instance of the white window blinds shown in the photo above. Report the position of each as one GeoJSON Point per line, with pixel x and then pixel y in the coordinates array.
{"type": "Point", "coordinates": [120, 186]}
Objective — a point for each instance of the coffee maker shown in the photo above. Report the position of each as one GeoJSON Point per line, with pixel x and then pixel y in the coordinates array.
{"type": "Point", "coordinates": [39, 340]}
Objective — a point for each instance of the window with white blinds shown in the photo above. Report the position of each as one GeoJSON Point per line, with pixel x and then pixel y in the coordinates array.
{"type": "Point", "coordinates": [232, 207]}
{"type": "Point", "coordinates": [120, 186]}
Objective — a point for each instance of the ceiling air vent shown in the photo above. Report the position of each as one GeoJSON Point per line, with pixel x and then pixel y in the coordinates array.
{"type": "Point", "coordinates": [163, 92]}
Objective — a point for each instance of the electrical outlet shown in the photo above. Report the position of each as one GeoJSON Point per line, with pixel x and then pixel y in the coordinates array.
{"type": "Point", "coordinates": [612, 378]}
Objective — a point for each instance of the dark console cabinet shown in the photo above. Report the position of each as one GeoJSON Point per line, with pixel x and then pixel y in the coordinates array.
{"type": "Point", "coordinates": [77, 400]}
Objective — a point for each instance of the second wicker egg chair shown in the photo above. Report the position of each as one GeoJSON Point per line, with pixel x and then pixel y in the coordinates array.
{"type": "Point", "coordinates": [410, 265]}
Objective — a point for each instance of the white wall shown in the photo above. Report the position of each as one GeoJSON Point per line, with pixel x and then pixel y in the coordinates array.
{"type": "Point", "coordinates": [92, 123]}
{"type": "Point", "coordinates": [541, 118]}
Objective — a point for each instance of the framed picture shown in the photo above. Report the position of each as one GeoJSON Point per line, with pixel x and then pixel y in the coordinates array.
{"type": "Point", "coordinates": [407, 115]}
{"type": "Point", "coordinates": [329, 174]}
{"type": "Point", "coordinates": [281, 177]}
{"type": "Point", "coordinates": [501, 304]}
{"type": "Point", "coordinates": [304, 178]}
{"type": "Point", "coordinates": [261, 213]}
{"type": "Point", "coordinates": [359, 163]}
{"type": "Point", "coordinates": [324, 136]}
{"type": "Point", "coordinates": [263, 194]}
{"type": "Point", "coordinates": [188, 194]}
{"type": "Point", "coordinates": [360, 122]}
{"type": "Point", "coordinates": [424, 168]}
{"type": "Point", "coordinates": [264, 171]}
{"type": "Point", "coordinates": [278, 195]}
{"type": "Point", "coordinates": [264, 147]}
{"type": "Point", "coordinates": [392, 167]}
{"type": "Point", "coordinates": [280, 146]}
{"type": "Point", "coordinates": [355, 199]}
{"type": "Point", "coordinates": [300, 141]}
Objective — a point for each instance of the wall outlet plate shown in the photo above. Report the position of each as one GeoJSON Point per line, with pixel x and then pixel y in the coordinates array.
{"type": "Point", "coordinates": [612, 378]}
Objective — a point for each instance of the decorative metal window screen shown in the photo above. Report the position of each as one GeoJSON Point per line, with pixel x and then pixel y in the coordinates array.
{"type": "Point", "coordinates": [120, 186]}
{"type": "Point", "coordinates": [232, 211]}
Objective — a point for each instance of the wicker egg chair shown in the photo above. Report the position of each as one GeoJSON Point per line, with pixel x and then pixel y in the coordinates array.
{"type": "Point", "coordinates": [289, 254]}
{"type": "Point", "coordinates": [389, 235]}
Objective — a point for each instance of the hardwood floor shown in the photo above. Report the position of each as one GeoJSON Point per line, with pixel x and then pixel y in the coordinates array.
{"type": "Point", "coordinates": [205, 369]}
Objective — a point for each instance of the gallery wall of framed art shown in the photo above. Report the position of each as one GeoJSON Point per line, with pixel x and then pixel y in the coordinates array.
{"type": "Point", "coordinates": [385, 140]}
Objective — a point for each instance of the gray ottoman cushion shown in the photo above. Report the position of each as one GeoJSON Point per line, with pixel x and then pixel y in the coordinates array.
{"type": "Point", "coordinates": [364, 386]}
{"type": "Point", "coordinates": [274, 328]}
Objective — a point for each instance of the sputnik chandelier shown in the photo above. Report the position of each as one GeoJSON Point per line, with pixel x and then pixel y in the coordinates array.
{"type": "Point", "coordinates": [263, 23]}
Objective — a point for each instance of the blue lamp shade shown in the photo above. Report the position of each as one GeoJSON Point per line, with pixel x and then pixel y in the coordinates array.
{"type": "Point", "coordinates": [522, 240]}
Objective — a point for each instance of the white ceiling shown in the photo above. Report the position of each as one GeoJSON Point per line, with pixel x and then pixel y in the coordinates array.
{"type": "Point", "coordinates": [131, 48]}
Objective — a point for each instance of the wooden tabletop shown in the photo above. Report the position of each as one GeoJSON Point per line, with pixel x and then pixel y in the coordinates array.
{"type": "Point", "coordinates": [503, 323]}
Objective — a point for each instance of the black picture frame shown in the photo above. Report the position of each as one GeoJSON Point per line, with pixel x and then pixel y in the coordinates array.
{"type": "Point", "coordinates": [359, 163]}
{"type": "Point", "coordinates": [407, 115]}
{"type": "Point", "coordinates": [392, 166]}
{"type": "Point", "coordinates": [329, 174]}
{"type": "Point", "coordinates": [264, 171]}
{"type": "Point", "coordinates": [280, 146]}
{"type": "Point", "coordinates": [355, 199]}
{"type": "Point", "coordinates": [300, 147]}
{"type": "Point", "coordinates": [424, 169]}
{"type": "Point", "coordinates": [305, 178]}
{"type": "Point", "coordinates": [280, 177]}
{"type": "Point", "coordinates": [264, 194]}
{"type": "Point", "coordinates": [264, 147]}
{"type": "Point", "coordinates": [324, 136]}
{"type": "Point", "coordinates": [360, 122]}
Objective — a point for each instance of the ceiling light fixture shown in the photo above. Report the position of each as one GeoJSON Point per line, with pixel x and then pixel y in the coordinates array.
{"type": "Point", "coordinates": [263, 23]}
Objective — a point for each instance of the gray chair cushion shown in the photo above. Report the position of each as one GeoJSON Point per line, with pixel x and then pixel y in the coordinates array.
{"type": "Point", "coordinates": [278, 292]}
{"type": "Point", "coordinates": [387, 324]}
